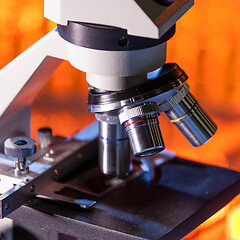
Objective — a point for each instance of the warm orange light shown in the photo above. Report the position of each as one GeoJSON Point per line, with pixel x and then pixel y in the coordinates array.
{"type": "Point", "coordinates": [51, 25]}
{"type": "Point", "coordinates": [216, 217]}
{"type": "Point", "coordinates": [233, 224]}
{"type": "Point", "coordinates": [31, 18]}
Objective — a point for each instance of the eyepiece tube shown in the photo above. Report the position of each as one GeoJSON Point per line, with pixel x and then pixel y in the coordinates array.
{"type": "Point", "coordinates": [142, 126]}
{"type": "Point", "coordinates": [189, 117]}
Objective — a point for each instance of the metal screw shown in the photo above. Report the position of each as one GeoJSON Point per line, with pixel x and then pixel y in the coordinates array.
{"type": "Point", "coordinates": [56, 172]}
{"type": "Point", "coordinates": [20, 148]}
{"type": "Point", "coordinates": [122, 42]}
{"type": "Point", "coordinates": [51, 151]}
{"type": "Point", "coordinates": [32, 189]}
{"type": "Point", "coordinates": [7, 205]}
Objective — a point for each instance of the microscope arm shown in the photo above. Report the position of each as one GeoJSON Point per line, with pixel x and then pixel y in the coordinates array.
{"type": "Point", "coordinates": [23, 78]}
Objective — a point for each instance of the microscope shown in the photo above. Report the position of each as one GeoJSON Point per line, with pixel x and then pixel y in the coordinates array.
{"type": "Point", "coordinates": [112, 180]}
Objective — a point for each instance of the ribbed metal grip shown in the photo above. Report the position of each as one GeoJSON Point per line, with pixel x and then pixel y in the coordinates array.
{"type": "Point", "coordinates": [140, 110]}
{"type": "Point", "coordinates": [143, 130]}
{"type": "Point", "coordinates": [19, 147]}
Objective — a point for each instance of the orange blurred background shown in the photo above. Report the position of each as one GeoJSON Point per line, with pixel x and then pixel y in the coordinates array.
{"type": "Point", "coordinates": [206, 45]}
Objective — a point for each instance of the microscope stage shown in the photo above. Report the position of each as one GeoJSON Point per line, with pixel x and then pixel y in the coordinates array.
{"type": "Point", "coordinates": [184, 196]}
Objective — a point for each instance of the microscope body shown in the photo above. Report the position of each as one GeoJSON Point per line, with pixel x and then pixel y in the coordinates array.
{"type": "Point", "coordinates": [117, 52]}
{"type": "Point", "coordinates": [121, 45]}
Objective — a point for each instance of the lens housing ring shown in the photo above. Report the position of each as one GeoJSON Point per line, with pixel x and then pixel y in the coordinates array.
{"type": "Point", "coordinates": [175, 99]}
{"type": "Point", "coordinates": [142, 126]}
{"type": "Point", "coordinates": [137, 111]}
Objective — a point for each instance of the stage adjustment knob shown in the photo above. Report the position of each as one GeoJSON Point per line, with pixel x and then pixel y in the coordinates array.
{"type": "Point", "coordinates": [44, 137]}
{"type": "Point", "coordinates": [20, 148]}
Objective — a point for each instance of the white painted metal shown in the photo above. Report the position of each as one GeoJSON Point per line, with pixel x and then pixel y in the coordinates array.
{"type": "Point", "coordinates": [110, 70]}
{"type": "Point", "coordinates": [117, 63]}
{"type": "Point", "coordinates": [6, 229]}
{"type": "Point", "coordinates": [7, 183]}
{"type": "Point", "coordinates": [115, 83]}
{"type": "Point", "coordinates": [23, 78]}
{"type": "Point", "coordinates": [143, 18]}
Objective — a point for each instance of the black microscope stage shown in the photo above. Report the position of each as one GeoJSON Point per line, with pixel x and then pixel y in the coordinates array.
{"type": "Point", "coordinates": [182, 196]}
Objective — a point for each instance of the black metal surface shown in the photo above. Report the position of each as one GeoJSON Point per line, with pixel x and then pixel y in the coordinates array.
{"type": "Point", "coordinates": [164, 2]}
{"type": "Point", "coordinates": [187, 194]}
{"type": "Point", "coordinates": [107, 37]}
{"type": "Point", "coordinates": [171, 76]}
